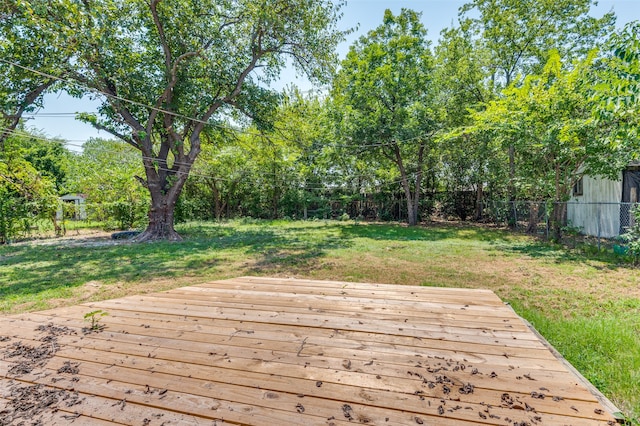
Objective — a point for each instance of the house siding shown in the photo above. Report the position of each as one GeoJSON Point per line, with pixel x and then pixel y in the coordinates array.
{"type": "Point", "coordinates": [590, 211]}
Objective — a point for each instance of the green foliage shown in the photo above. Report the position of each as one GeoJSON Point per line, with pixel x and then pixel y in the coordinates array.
{"type": "Point", "coordinates": [505, 41]}
{"type": "Point", "coordinates": [106, 173]}
{"type": "Point", "coordinates": [265, 173]}
{"type": "Point", "coordinates": [549, 121]}
{"type": "Point", "coordinates": [518, 35]}
{"type": "Point", "coordinates": [344, 217]}
{"type": "Point", "coordinates": [31, 171]}
{"type": "Point", "coordinates": [21, 90]}
{"type": "Point", "coordinates": [94, 318]}
{"type": "Point", "coordinates": [385, 101]}
{"type": "Point", "coordinates": [617, 93]}
{"type": "Point", "coordinates": [632, 235]}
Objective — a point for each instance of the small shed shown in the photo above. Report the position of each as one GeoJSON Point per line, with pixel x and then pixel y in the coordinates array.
{"type": "Point", "coordinates": [603, 207]}
{"type": "Point", "coordinates": [72, 206]}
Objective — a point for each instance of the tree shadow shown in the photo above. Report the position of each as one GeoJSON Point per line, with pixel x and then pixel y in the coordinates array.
{"type": "Point", "coordinates": [560, 254]}
{"type": "Point", "coordinates": [383, 231]}
{"type": "Point", "coordinates": [28, 270]}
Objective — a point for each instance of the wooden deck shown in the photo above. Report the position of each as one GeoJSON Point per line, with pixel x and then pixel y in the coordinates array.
{"type": "Point", "coordinates": [265, 351]}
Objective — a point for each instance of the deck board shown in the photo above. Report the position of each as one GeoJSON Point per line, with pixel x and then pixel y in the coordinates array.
{"type": "Point", "coordinates": [268, 351]}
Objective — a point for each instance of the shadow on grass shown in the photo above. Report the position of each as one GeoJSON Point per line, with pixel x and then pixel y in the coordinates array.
{"type": "Point", "coordinates": [28, 270]}
{"type": "Point", "coordinates": [538, 249]}
{"type": "Point", "coordinates": [383, 231]}
{"type": "Point", "coordinates": [263, 247]}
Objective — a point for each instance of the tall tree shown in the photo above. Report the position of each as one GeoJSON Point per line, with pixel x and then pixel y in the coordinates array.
{"type": "Point", "coordinates": [28, 41]}
{"type": "Point", "coordinates": [518, 34]}
{"type": "Point", "coordinates": [470, 160]}
{"type": "Point", "coordinates": [167, 69]}
{"type": "Point", "coordinates": [551, 118]}
{"type": "Point", "coordinates": [386, 95]}
{"type": "Point", "coordinates": [618, 88]}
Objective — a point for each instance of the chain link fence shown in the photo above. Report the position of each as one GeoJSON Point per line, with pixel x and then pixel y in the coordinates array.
{"type": "Point", "coordinates": [600, 220]}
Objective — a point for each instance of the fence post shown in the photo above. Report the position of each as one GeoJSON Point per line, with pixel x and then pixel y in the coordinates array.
{"type": "Point", "coordinates": [599, 225]}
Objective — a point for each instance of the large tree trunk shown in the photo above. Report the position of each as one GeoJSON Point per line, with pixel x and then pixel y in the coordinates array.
{"type": "Point", "coordinates": [164, 185]}
{"type": "Point", "coordinates": [413, 200]}
{"type": "Point", "coordinates": [412, 214]}
{"type": "Point", "coordinates": [161, 220]}
{"type": "Point", "coordinates": [534, 210]}
{"type": "Point", "coordinates": [479, 200]}
{"type": "Point", "coordinates": [513, 220]}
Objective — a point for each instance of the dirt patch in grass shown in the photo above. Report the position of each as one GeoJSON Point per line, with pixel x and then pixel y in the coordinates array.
{"type": "Point", "coordinates": [79, 237]}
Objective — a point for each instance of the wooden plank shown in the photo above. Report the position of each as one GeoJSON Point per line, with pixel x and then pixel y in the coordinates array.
{"type": "Point", "coordinates": [95, 409]}
{"type": "Point", "coordinates": [374, 373]}
{"type": "Point", "coordinates": [295, 282]}
{"type": "Point", "coordinates": [282, 331]}
{"type": "Point", "coordinates": [415, 381]}
{"type": "Point", "coordinates": [61, 416]}
{"type": "Point", "coordinates": [279, 351]}
{"type": "Point", "coordinates": [262, 406]}
{"type": "Point", "coordinates": [155, 399]}
{"type": "Point", "coordinates": [365, 354]}
{"type": "Point", "coordinates": [179, 353]}
{"type": "Point", "coordinates": [464, 311]}
{"type": "Point", "coordinates": [410, 294]}
{"type": "Point", "coordinates": [281, 341]}
{"type": "Point", "coordinates": [304, 319]}
{"type": "Point", "coordinates": [195, 380]}
{"type": "Point", "coordinates": [319, 303]}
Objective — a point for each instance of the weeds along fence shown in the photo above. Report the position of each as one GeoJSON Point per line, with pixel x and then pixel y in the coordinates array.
{"type": "Point", "coordinates": [24, 220]}
{"type": "Point", "coordinates": [600, 220]}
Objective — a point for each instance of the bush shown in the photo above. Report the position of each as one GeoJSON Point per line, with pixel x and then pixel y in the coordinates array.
{"type": "Point", "coordinates": [632, 236]}
{"type": "Point", "coordinates": [119, 215]}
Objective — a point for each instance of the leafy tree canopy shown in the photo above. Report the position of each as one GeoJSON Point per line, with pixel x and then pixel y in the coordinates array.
{"type": "Point", "coordinates": [167, 69]}
{"type": "Point", "coordinates": [386, 98]}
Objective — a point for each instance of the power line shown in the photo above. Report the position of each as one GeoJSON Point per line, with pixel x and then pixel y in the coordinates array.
{"type": "Point", "coordinates": [209, 176]}
{"type": "Point", "coordinates": [178, 115]}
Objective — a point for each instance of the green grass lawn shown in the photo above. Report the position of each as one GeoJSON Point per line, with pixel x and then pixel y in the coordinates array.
{"type": "Point", "coordinates": [587, 304]}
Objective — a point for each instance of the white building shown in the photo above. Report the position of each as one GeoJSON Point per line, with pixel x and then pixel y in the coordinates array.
{"type": "Point", "coordinates": [602, 207]}
{"type": "Point", "coordinates": [73, 205]}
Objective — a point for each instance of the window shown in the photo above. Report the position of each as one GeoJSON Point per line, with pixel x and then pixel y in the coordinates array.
{"type": "Point", "coordinates": [577, 188]}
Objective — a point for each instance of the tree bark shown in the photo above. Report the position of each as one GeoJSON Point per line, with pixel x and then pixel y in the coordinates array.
{"type": "Point", "coordinates": [413, 200]}
{"type": "Point", "coordinates": [534, 209]}
{"type": "Point", "coordinates": [160, 220]}
{"type": "Point", "coordinates": [479, 199]}
{"type": "Point", "coordinates": [512, 187]}
{"type": "Point", "coordinates": [165, 185]}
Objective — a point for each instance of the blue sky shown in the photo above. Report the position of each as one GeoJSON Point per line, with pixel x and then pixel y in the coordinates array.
{"type": "Point", "coordinates": [366, 14]}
